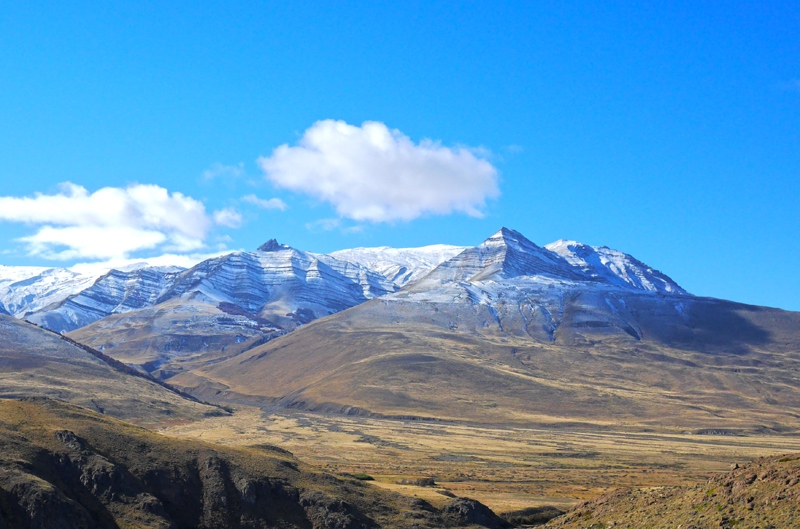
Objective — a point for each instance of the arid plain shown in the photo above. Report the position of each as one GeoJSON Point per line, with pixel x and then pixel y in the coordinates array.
{"type": "Point", "coordinates": [508, 469]}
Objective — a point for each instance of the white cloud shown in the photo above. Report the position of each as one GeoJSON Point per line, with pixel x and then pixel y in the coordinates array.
{"type": "Point", "coordinates": [110, 223]}
{"type": "Point", "coordinates": [228, 217]}
{"type": "Point", "coordinates": [269, 203]}
{"type": "Point", "coordinates": [226, 171]}
{"type": "Point", "coordinates": [372, 173]}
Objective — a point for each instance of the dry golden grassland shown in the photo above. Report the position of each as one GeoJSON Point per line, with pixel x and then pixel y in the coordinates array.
{"type": "Point", "coordinates": [506, 468]}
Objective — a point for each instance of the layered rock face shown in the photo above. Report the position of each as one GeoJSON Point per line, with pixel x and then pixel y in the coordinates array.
{"type": "Point", "coordinates": [281, 281]}
{"type": "Point", "coordinates": [112, 293]}
{"type": "Point", "coordinates": [289, 287]}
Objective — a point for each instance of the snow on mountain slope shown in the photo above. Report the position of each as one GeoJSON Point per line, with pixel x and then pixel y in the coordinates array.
{"type": "Point", "coordinates": [614, 266]}
{"type": "Point", "coordinates": [514, 286]}
{"type": "Point", "coordinates": [400, 265]}
{"type": "Point", "coordinates": [26, 289]}
{"type": "Point", "coordinates": [115, 292]}
{"type": "Point", "coordinates": [281, 282]}
{"type": "Point", "coordinates": [504, 255]}
{"type": "Point", "coordinates": [289, 287]}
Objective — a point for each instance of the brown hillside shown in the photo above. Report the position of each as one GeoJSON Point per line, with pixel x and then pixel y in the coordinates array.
{"type": "Point", "coordinates": [38, 363]}
{"type": "Point", "coordinates": [720, 366]}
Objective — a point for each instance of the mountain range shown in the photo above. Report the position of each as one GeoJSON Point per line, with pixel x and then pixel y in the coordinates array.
{"type": "Point", "coordinates": [506, 331]}
{"type": "Point", "coordinates": [290, 287]}
{"type": "Point", "coordinates": [150, 316]}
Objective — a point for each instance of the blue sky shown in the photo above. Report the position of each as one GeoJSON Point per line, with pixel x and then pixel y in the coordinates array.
{"type": "Point", "coordinates": [670, 132]}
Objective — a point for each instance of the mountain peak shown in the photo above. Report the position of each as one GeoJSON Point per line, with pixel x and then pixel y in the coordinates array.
{"type": "Point", "coordinates": [272, 245]}
{"type": "Point", "coordinates": [511, 238]}
{"type": "Point", "coordinates": [506, 254]}
{"type": "Point", "coordinates": [507, 234]}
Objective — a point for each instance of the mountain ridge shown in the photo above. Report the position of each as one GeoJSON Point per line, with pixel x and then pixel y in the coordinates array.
{"type": "Point", "coordinates": [63, 300]}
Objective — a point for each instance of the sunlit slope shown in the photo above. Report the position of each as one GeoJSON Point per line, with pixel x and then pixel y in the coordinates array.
{"type": "Point", "coordinates": [711, 365]}
{"type": "Point", "coordinates": [38, 363]}
{"type": "Point", "coordinates": [175, 332]}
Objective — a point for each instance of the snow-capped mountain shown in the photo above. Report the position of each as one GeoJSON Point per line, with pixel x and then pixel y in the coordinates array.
{"type": "Point", "coordinates": [230, 303]}
{"type": "Point", "coordinates": [286, 287]}
{"type": "Point", "coordinates": [517, 288]}
{"type": "Point", "coordinates": [614, 266]}
{"type": "Point", "coordinates": [400, 265]}
{"type": "Point", "coordinates": [506, 254]}
{"type": "Point", "coordinates": [27, 289]}
{"type": "Point", "coordinates": [113, 293]}
{"type": "Point", "coordinates": [508, 257]}
{"type": "Point", "coordinates": [280, 282]}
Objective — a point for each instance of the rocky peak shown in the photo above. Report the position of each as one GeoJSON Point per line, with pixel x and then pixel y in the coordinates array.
{"type": "Point", "coordinates": [272, 245]}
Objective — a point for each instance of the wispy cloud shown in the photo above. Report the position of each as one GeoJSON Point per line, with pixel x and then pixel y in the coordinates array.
{"type": "Point", "coordinates": [219, 170]}
{"type": "Point", "coordinates": [323, 225]}
{"type": "Point", "coordinates": [372, 173]}
{"type": "Point", "coordinates": [110, 223]}
{"type": "Point", "coordinates": [268, 203]}
{"type": "Point", "coordinates": [333, 224]}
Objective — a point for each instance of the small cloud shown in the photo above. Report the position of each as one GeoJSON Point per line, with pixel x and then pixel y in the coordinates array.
{"type": "Point", "coordinates": [516, 149]}
{"type": "Point", "coordinates": [323, 224]}
{"type": "Point", "coordinates": [228, 217]}
{"type": "Point", "coordinates": [333, 224]}
{"type": "Point", "coordinates": [269, 203]}
{"type": "Point", "coordinates": [218, 170]}
{"type": "Point", "coordinates": [372, 173]}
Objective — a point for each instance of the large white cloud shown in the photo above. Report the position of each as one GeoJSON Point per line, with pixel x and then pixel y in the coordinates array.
{"type": "Point", "coordinates": [112, 222]}
{"type": "Point", "coordinates": [372, 173]}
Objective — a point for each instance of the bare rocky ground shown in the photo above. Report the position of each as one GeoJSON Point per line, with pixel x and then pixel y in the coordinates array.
{"type": "Point", "coordinates": [762, 494]}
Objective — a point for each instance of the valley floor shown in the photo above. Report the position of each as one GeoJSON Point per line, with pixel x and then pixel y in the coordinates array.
{"type": "Point", "coordinates": [505, 468]}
